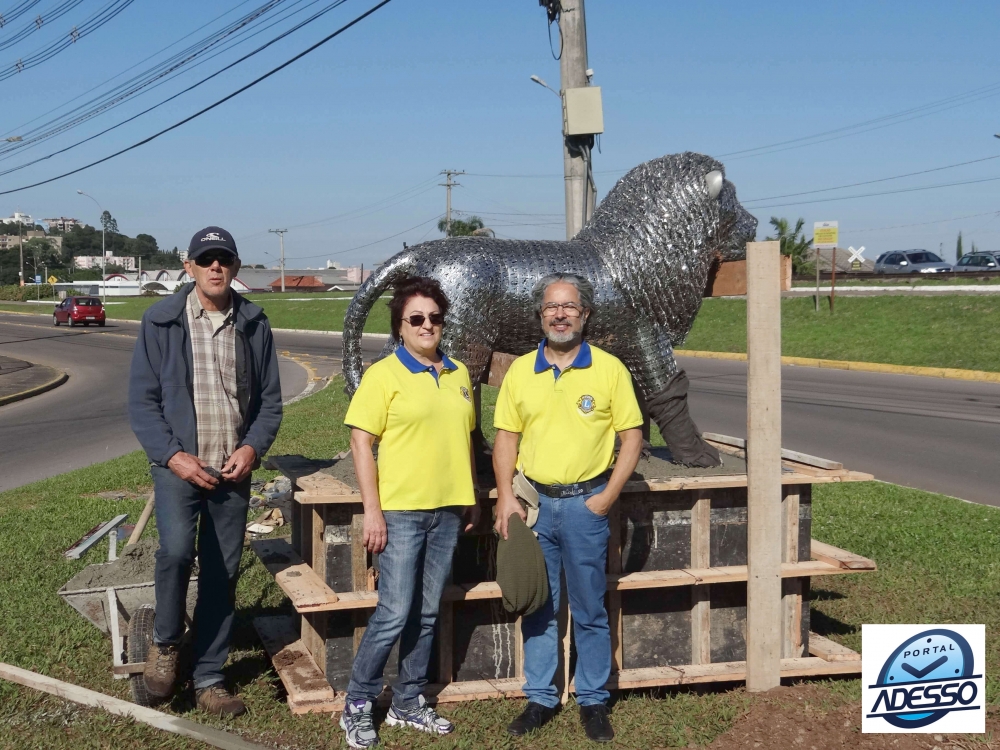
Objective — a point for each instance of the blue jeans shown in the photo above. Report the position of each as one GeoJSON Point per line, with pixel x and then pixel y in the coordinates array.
{"type": "Point", "coordinates": [223, 515]}
{"type": "Point", "coordinates": [573, 538]}
{"type": "Point", "coordinates": [413, 570]}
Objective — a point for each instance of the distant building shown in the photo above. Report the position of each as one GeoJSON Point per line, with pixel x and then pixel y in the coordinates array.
{"type": "Point", "coordinates": [9, 241]}
{"type": "Point", "coordinates": [62, 224]}
{"type": "Point", "coordinates": [19, 218]}
{"type": "Point", "coordinates": [332, 279]}
{"type": "Point", "coordinates": [94, 261]}
{"type": "Point", "coordinates": [299, 284]}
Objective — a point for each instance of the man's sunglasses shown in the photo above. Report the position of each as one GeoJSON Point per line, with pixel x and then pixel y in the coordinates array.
{"type": "Point", "coordinates": [225, 260]}
{"type": "Point", "coordinates": [416, 320]}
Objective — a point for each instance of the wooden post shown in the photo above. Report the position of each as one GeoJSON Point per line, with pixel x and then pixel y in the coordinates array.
{"type": "Point", "coordinates": [764, 543]}
{"type": "Point", "coordinates": [701, 596]}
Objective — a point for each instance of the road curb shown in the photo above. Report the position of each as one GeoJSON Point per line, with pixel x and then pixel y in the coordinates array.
{"type": "Point", "coordinates": [951, 373]}
{"type": "Point", "coordinates": [58, 380]}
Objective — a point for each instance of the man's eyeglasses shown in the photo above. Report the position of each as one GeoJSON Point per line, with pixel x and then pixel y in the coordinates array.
{"type": "Point", "coordinates": [416, 320]}
{"type": "Point", "coordinates": [571, 309]}
{"type": "Point", "coordinates": [225, 260]}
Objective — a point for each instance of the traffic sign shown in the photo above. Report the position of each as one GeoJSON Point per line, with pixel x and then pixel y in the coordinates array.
{"type": "Point", "coordinates": [825, 234]}
{"type": "Point", "coordinates": [857, 257]}
{"type": "Point", "coordinates": [38, 279]}
{"type": "Point", "coordinates": [52, 279]}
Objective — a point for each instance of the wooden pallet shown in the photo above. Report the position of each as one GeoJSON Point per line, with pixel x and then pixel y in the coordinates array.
{"type": "Point", "coordinates": [309, 692]}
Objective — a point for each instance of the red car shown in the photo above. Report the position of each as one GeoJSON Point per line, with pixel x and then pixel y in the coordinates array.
{"type": "Point", "coordinates": [79, 310]}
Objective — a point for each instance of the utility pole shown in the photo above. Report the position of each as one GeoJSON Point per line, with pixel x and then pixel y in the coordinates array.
{"type": "Point", "coordinates": [573, 74]}
{"type": "Point", "coordinates": [20, 247]}
{"type": "Point", "coordinates": [281, 237]}
{"type": "Point", "coordinates": [449, 185]}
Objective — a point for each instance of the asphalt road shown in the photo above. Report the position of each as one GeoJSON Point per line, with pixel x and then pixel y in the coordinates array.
{"type": "Point", "coordinates": [84, 420]}
{"type": "Point", "coordinates": [931, 433]}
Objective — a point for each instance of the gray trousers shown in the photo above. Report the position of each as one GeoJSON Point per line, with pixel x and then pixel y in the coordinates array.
{"type": "Point", "coordinates": [218, 519]}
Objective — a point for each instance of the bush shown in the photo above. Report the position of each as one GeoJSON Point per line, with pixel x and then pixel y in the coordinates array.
{"type": "Point", "coordinates": [16, 293]}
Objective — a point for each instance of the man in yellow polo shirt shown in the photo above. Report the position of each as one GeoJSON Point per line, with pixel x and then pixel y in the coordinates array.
{"type": "Point", "coordinates": [566, 402]}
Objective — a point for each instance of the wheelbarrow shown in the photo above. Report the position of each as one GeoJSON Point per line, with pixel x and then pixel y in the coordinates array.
{"type": "Point", "coordinates": [125, 613]}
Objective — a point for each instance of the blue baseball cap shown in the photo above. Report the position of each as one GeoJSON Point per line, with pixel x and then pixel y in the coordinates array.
{"type": "Point", "coordinates": [212, 238]}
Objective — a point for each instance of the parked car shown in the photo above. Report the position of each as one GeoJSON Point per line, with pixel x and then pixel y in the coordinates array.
{"type": "Point", "coordinates": [910, 261]}
{"type": "Point", "coordinates": [979, 262]}
{"type": "Point", "coordinates": [75, 311]}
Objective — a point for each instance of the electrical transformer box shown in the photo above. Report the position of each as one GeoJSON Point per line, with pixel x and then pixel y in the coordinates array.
{"type": "Point", "coordinates": [582, 111]}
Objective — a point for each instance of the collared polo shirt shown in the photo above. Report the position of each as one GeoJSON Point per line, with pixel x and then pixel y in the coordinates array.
{"type": "Point", "coordinates": [423, 420]}
{"type": "Point", "coordinates": [567, 419]}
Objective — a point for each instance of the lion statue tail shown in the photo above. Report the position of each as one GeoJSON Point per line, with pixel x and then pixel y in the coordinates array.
{"type": "Point", "coordinates": [393, 270]}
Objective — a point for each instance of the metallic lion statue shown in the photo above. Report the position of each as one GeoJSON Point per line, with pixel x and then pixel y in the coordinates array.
{"type": "Point", "coordinates": [648, 250]}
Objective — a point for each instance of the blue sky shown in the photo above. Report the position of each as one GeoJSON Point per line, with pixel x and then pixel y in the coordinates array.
{"type": "Point", "coordinates": [423, 86]}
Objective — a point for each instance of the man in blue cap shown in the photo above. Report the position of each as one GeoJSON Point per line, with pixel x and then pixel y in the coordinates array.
{"type": "Point", "coordinates": [205, 404]}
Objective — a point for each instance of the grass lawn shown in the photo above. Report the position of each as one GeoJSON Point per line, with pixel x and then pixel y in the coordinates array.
{"type": "Point", "coordinates": [923, 331]}
{"type": "Point", "coordinates": [936, 559]}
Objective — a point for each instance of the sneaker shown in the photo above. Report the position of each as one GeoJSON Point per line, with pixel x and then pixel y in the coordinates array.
{"type": "Point", "coordinates": [215, 699]}
{"type": "Point", "coordinates": [421, 717]}
{"type": "Point", "coordinates": [596, 723]}
{"type": "Point", "coordinates": [356, 721]}
{"type": "Point", "coordinates": [160, 672]}
{"type": "Point", "coordinates": [533, 717]}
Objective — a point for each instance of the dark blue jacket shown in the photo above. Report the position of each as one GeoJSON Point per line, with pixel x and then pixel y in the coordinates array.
{"type": "Point", "coordinates": [160, 391]}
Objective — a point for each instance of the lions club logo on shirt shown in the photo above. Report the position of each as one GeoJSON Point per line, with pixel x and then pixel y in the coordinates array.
{"type": "Point", "coordinates": [465, 393]}
{"type": "Point", "coordinates": [585, 404]}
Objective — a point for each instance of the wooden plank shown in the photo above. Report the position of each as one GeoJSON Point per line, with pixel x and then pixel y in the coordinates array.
{"type": "Point", "coordinates": [150, 716]}
{"type": "Point", "coordinates": [840, 557]}
{"type": "Point", "coordinates": [763, 626]}
{"type": "Point", "coordinates": [307, 688]}
{"type": "Point", "coordinates": [701, 557]}
{"type": "Point", "coordinates": [359, 570]}
{"type": "Point", "coordinates": [802, 458]}
{"type": "Point", "coordinates": [317, 515]}
{"type": "Point", "coordinates": [791, 600]}
{"type": "Point", "coordinates": [829, 650]}
{"type": "Point", "coordinates": [300, 584]}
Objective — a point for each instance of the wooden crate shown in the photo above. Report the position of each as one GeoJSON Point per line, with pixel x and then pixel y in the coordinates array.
{"type": "Point", "coordinates": [676, 596]}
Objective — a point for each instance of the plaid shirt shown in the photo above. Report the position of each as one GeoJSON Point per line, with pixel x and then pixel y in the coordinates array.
{"type": "Point", "coordinates": [216, 406]}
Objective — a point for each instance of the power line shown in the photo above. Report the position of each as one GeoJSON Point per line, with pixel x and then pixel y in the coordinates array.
{"type": "Point", "coordinates": [17, 11]}
{"type": "Point", "coordinates": [32, 26]}
{"type": "Point", "coordinates": [925, 223]}
{"type": "Point", "coordinates": [92, 24]}
{"type": "Point", "coordinates": [210, 107]}
{"type": "Point", "coordinates": [871, 182]}
{"type": "Point", "coordinates": [193, 86]}
{"type": "Point", "coordinates": [884, 192]}
{"type": "Point", "coordinates": [369, 244]}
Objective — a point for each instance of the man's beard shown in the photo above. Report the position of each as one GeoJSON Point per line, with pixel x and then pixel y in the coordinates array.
{"type": "Point", "coordinates": [555, 337]}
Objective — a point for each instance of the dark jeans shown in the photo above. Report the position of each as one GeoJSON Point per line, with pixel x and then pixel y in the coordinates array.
{"type": "Point", "coordinates": [223, 514]}
{"type": "Point", "coordinates": [413, 571]}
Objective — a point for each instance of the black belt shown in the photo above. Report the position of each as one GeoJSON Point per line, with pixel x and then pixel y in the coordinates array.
{"type": "Point", "coordinates": [570, 490]}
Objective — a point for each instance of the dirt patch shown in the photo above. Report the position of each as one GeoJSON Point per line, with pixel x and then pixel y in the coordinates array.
{"type": "Point", "coordinates": [135, 564]}
{"type": "Point", "coordinates": [813, 718]}
{"type": "Point", "coordinates": [343, 469]}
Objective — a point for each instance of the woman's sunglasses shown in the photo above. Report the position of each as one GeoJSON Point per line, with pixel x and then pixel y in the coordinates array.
{"type": "Point", "coordinates": [225, 260]}
{"type": "Point", "coordinates": [416, 320]}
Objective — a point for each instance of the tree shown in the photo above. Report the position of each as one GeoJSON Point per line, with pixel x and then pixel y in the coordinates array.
{"type": "Point", "coordinates": [793, 243]}
{"type": "Point", "coordinates": [109, 223]}
{"type": "Point", "coordinates": [144, 245]}
{"type": "Point", "coordinates": [461, 228]}
{"type": "Point", "coordinates": [958, 248]}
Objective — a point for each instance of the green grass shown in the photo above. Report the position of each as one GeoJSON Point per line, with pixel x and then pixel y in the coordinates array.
{"type": "Point", "coordinates": [923, 331]}
{"type": "Point", "coordinates": [936, 555]}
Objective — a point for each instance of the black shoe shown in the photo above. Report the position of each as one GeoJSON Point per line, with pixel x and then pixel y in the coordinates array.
{"type": "Point", "coordinates": [534, 716]}
{"type": "Point", "coordinates": [596, 723]}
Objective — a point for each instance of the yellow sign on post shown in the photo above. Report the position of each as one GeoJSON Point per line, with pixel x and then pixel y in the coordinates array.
{"type": "Point", "coordinates": [52, 279]}
{"type": "Point", "coordinates": [825, 234]}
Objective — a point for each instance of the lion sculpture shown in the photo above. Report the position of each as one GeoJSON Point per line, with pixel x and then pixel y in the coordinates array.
{"type": "Point", "coordinates": [648, 251]}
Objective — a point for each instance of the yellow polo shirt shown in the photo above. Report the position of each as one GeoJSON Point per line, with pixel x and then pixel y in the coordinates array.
{"type": "Point", "coordinates": [423, 421]}
{"type": "Point", "coordinates": [567, 419]}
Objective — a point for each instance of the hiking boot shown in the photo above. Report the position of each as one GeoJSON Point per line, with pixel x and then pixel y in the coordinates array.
{"type": "Point", "coordinates": [534, 716]}
{"type": "Point", "coordinates": [596, 723]}
{"type": "Point", "coordinates": [421, 717]}
{"type": "Point", "coordinates": [160, 672]}
{"type": "Point", "coordinates": [357, 723]}
{"type": "Point", "coordinates": [215, 699]}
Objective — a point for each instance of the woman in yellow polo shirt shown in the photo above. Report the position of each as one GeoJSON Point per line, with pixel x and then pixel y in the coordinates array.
{"type": "Point", "coordinates": [418, 404]}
